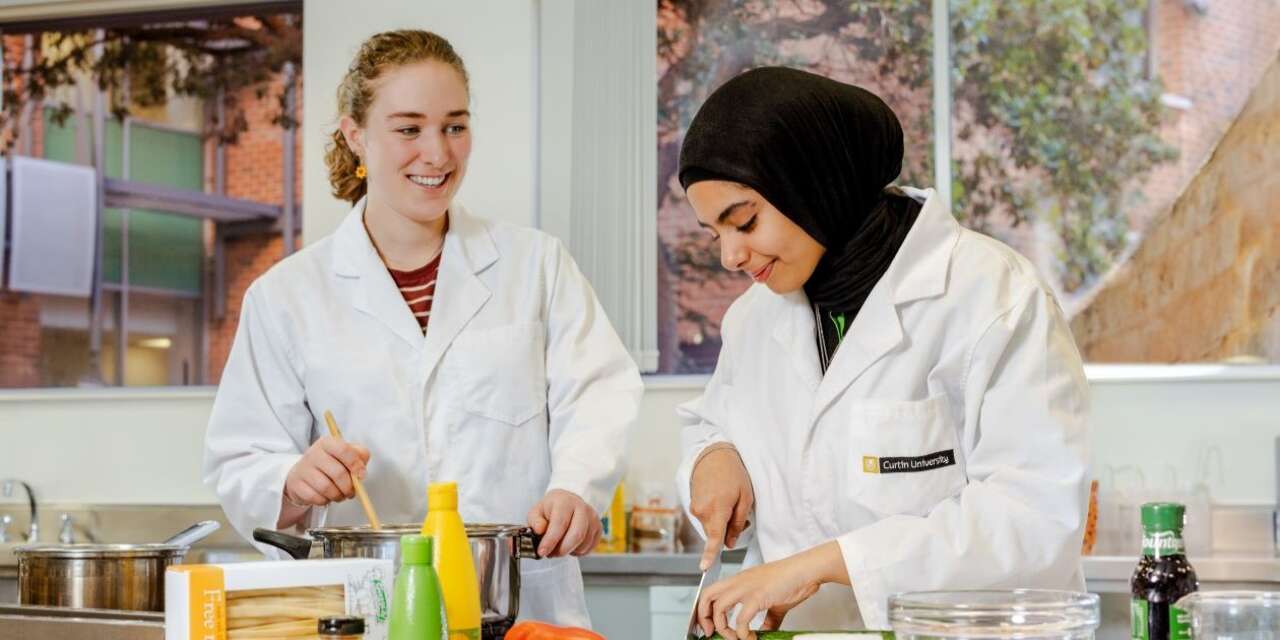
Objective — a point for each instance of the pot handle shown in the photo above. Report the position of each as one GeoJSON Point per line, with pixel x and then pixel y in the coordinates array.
{"type": "Point", "coordinates": [296, 546]}
{"type": "Point", "coordinates": [527, 544]}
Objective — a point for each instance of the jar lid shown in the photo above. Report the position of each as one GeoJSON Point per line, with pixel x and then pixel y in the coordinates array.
{"type": "Point", "coordinates": [416, 549]}
{"type": "Point", "coordinates": [340, 626]}
{"type": "Point", "coordinates": [1021, 613]}
{"type": "Point", "coordinates": [1163, 516]}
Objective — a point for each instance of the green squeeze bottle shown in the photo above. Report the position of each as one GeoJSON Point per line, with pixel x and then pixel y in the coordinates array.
{"type": "Point", "coordinates": [417, 611]}
{"type": "Point", "coordinates": [1162, 577]}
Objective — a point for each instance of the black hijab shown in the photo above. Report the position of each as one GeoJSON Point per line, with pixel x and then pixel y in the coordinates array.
{"type": "Point", "coordinates": [822, 152]}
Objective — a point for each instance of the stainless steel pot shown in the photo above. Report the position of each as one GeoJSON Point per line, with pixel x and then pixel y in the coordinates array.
{"type": "Point", "coordinates": [496, 549]}
{"type": "Point", "coordinates": [96, 576]}
{"type": "Point", "coordinates": [103, 576]}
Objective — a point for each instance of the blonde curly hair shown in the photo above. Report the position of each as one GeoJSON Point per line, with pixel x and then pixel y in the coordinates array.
{"type": "Point", "coordinates": [382, 51]}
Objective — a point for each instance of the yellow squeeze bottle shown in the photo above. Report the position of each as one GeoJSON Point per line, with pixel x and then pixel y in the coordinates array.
{"type": "Point", "coordinates": [453, 562]}
{"type": "Point", "coordinates": [613, 538]}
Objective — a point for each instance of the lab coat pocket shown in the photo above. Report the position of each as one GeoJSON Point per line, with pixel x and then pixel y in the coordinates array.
{"type": "Point", "coordinates": [904, 456]}
{"type": "Point", "coordinates": [503, 371]}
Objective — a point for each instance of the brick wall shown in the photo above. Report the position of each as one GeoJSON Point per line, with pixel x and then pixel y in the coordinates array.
{"type": "Point", "coordinates": [246, 258]}
{"type": "Point", "coordinates": [1214, 60]}
{"type": "Point", "coordinates": [255, 162]}
{"type": "Point", "coordinates": [1205, 283]}
{"type": "Point", "coordinates": [255, 167]}
{"type": "Point", "coordinates": [20, 338]}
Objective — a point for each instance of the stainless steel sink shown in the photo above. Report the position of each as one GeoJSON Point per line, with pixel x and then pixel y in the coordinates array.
{"type": "Point", "coordinates": [123, 523]}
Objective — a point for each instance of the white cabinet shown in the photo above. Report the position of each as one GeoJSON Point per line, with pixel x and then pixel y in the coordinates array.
{"type": "Point", "coordinates": [628, 607]}
{"type": "Point", "coordinates": [669, 609]}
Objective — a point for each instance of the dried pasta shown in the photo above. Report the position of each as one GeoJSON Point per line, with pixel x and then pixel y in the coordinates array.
{"type": "Point", "coordinates": [265, 614]}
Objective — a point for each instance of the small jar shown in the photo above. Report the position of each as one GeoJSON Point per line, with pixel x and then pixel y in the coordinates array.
{"type": "Point", "coordinates": [653, 529]}
{"type": "Point", "coordinates": [1233, 614]}
{"type": "Point", "coordinates": [344, 628]}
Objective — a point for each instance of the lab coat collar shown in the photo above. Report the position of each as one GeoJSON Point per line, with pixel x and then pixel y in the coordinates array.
{"type": "Point", "coordinates": [918, 271]}
{"type": "Point", "coordinates": [795, 331]}
{"type": "Point", "coordinates": [468, 240]}
{"type": "Point", "coordinates": [468, 249]}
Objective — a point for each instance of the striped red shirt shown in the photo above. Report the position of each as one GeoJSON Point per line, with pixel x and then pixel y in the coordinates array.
{"type": "Point", "coordinates": [419, 289]}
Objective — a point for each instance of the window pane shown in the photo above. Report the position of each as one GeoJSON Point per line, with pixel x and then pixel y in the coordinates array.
{"type": "Point", "coordinates": [164, 249]}
{"type": "Point", "coordinates": [163, 341]}
{"type": "Point", "coordinates": [64, 356]}
{"type": "Point", "coordinates": [883, 45]}
{"type": "Point", "coordinates": [1079, 129]}
{"type": "Point", "coordinates": [47, 339]}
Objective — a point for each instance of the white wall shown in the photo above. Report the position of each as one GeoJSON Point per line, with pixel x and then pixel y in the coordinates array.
{"type": "Point", "coordinates": [1159, 425]}
{"type": "Point", "coordinates": [107, 446]}
{"type": "Point", "coordinates": [496, 40]}
{"type": "Point", "coordinates": [144, 446]}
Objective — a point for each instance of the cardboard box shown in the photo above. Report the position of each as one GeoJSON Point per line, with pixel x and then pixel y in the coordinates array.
{"type": "Point", "coordinates": [196, 596]}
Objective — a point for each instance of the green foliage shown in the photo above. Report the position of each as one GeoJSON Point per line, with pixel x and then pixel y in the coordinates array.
{"type": "Point", "coordinates": [1051, 97]}
{"type": "Point", "coordinates": [1063, 86]}
{"type": "Point", "coordinates": [157, 62]}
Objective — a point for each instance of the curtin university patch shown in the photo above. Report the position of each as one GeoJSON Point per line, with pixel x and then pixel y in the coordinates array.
{"type": "Point", "coordinates": [936, 460]}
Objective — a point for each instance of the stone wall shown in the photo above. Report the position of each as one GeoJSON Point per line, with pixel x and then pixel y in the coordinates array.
{"type": "Point", "coordinates": [1205, 282]}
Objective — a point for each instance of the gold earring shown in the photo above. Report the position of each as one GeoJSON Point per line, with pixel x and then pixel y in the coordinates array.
{"type": "Point", "coordinates": [361, 172]}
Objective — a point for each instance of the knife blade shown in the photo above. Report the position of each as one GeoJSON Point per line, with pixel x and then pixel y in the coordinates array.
{"type": "Point", "coordinates": [709, 577]}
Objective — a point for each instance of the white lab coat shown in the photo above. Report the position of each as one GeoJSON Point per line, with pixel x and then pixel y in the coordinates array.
{"type": "Point", "coordinates": [960, 347]}
{"type": "Point", "coordinates": [520, 386]}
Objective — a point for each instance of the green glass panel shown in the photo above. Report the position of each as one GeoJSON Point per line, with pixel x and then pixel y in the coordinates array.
{"type": "Point", "coordinates": [164, 249]}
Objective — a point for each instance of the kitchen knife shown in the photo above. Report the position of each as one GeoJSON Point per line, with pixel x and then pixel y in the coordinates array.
{"type": "Point", "coordinates": [708, 578]}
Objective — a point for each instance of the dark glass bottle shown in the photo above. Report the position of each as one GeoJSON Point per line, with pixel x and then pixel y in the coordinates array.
{"type": "Point", "coordinates": [340, 628]}
{"type": "Point", "coordinates": [1163, 576]}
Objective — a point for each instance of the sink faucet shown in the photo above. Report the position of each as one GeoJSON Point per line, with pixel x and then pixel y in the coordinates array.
{"type": "Point", "coordinates": [68, 533]}
{"type": "Point", "coordinates": [33, 532]}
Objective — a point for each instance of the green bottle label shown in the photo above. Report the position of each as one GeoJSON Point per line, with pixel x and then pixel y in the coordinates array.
{"type": "Point", "coordinates": [1158, 544]}
{"type": "Point", "coordinates": [381, 610]}
{"type": "Point", "coordinates": [1179, 624]}
{"type": "Point", "coordinates": [1138, 610]}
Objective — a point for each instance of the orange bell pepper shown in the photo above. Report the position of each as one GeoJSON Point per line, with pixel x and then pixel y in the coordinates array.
{"type": "Point", "coordinates": [531, 630]}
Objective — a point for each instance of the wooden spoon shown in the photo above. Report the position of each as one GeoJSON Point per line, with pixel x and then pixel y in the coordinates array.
{"type": "Point", "coordinates": [364, 497]}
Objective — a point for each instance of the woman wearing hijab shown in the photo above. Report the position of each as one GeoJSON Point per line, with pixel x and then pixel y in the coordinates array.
{"type": "Point", "coordinates": [898, 403]}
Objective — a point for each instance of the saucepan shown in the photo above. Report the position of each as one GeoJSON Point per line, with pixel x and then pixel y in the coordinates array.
{"type": "Point", "coordinates": [496, 549]}
{"type": "Point", "coordinates": [102, 576]}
